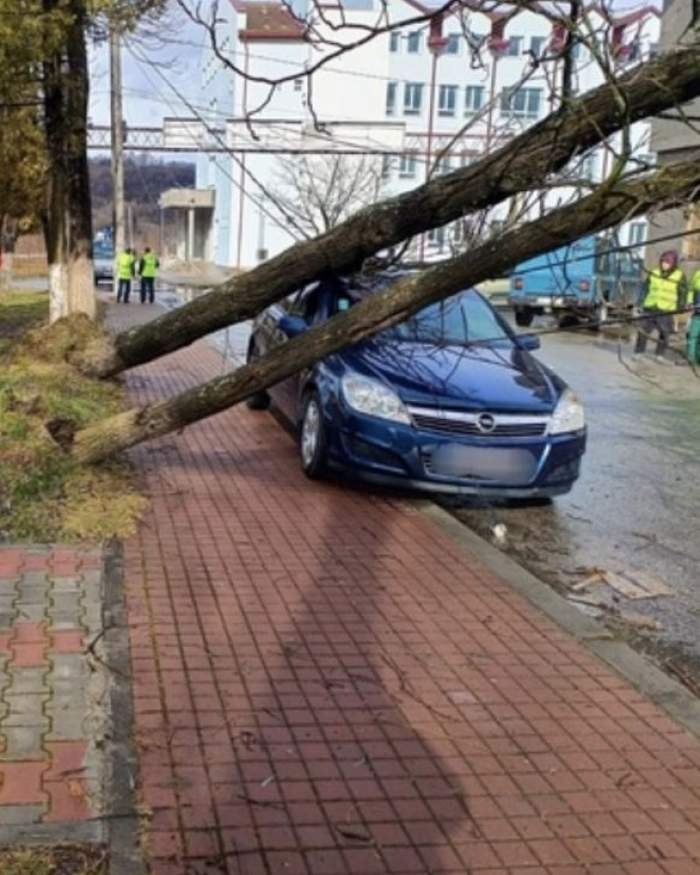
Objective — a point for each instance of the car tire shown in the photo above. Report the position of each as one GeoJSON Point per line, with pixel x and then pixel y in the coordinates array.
{"type": "Point", "coordinates": [524, 318]}
{"type": "Point", "coordinates": [540, 501]}
{"type": "Point", "coordinates": [566, 320]}
{"type": "Point", "coordinates": [312, 438]}
{"type": "Point", "coordinates": [259, 400]}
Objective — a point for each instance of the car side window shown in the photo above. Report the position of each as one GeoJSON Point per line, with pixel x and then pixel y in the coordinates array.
{"type": "Point", "coordinates": [303, 303]}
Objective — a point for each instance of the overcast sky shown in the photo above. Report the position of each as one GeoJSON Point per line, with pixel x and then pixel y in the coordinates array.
{"type": "Point", "coordinates": [147, 98]}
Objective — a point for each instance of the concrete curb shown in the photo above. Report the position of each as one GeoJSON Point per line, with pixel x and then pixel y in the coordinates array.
{"type": "Point", "coordinates": [658, 687]}
{"type": "Point", "coordinates": [123, 825]}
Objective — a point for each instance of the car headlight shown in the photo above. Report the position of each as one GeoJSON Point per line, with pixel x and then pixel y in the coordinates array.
{"type": "Point", "coordinates": [568, 414]}
{"type": "Point", "coordinates": [374, 399]}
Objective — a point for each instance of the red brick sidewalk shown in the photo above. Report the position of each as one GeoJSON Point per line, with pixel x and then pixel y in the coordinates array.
{"type": "Point", "coordinates": [326, 684]}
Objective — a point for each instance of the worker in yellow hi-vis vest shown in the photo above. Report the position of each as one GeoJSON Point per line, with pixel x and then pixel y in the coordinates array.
{"type": "Point", "coordinates": [126, 269]}
{"type": "Point", "coordinates": [665, 293]}
{"type": "Point", "coordinates": [148, 270]}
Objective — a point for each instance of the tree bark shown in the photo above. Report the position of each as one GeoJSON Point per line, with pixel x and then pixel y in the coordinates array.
{"type": "Point", "coordinates": [69, 219]}
{"type": "Point", "coordinates": [9, 231]}
{"type": "Point", "coordinates": [589, 215]}
{"type": "Point", "coordinates": [529, 158]}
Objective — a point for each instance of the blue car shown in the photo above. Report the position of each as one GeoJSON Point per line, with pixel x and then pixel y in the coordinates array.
{"type": "Point", "coordinates": [449, 401]}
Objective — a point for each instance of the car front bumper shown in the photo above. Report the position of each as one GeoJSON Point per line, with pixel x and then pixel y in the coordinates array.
{"type": "Point", "coordinates": [400, 455]}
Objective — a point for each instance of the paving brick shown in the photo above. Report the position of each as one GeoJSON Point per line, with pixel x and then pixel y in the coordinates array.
{"type": "Point", "coordinates": [66, 641]}
{"type": "Point", "coordinates": [20, 784]}
{"type": "Point", "coordinates": [67, 759]}
{"type": "Point", "coordinates": [68, 801]}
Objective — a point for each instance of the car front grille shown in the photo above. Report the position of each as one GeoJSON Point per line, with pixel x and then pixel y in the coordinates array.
{"type": "Point", "coordinates": [459, 423]}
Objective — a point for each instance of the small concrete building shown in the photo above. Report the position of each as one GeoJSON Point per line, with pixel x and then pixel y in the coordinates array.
{"type": "Point", "coordinates": [193, 212]}
{"type": "Point", "coordinates": [676, 141]}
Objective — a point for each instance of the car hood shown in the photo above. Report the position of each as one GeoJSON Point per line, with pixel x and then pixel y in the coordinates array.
{"type": "Point", "coordinates": [456, 377]}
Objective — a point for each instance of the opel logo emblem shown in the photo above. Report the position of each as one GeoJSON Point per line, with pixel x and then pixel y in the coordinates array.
{"type": "Point", "coordinates": [486, 423]}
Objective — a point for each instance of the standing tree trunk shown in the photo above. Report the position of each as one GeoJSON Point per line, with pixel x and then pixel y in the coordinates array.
{"type": "Point", "coordinates": [9, 231]}
{"type": "Point", "coordinates": [69, 221]}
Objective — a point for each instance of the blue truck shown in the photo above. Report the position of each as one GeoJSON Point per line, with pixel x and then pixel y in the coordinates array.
{"type": "Point", "coordinates": [586, 280]}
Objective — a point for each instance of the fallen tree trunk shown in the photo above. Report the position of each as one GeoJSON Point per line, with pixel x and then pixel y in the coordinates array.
{"type": "Point", "coordinates": [525, 161]}
{"type": "Point", "coordinates": [594, 213]}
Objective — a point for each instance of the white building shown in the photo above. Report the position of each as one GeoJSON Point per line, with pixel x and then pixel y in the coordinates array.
{"type": "Point", "coordinates": [423, 99]}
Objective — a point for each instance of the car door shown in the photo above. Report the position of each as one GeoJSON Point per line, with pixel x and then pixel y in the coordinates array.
{"type": "Point", "coordinates": [303, 305]}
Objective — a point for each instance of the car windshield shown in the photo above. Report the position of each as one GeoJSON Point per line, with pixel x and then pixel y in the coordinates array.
{"type": "Point", "coordinates": [101, 251]}
{"type": "Point", "coordinates": [463, 319]}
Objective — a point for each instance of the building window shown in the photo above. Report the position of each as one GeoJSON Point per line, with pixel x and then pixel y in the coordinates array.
{"type": "Point", "coordinates": [413, 98]}
{"type": "Point", "coordinates": [391, 88]}
{"type": "Point", "coordinates": [634, 50]}
{"type": "Point", "coordinates": [414, 42]}
{"type": "Point", "coordinates": [436, 238]}
{"type": "Point", "coordinates": [407, 165]}
{"type": "Point", "coordinates": [394, 41]}
{"type": "Point", "coordinates": [473, 98]}
{"type": "Point", "coordinates": [637, 233]}
{"type": "Point", "coordinates": [447, 100]}
{"type": "Point", "coordinates": [515, 46]}
{"type": "Point", "coordinates": [476, 41]}
{"type": "Point", "coordinates": [452, 47]}
{"type": "Point", "coordinates": [458, 232]}
{"type": "Point", "coordinates": [443, 165]}
{"type": "Point", "coordinates": [523, 102]}
{"type": "Point", "coordinates": [387, 166]}
{"type": "Point", "coordinates": [537, 46]}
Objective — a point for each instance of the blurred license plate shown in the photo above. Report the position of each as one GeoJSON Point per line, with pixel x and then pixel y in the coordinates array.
{"type": "Point", "coordinates": [484, 463]}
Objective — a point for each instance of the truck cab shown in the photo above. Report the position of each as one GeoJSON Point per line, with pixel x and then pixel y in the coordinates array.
{"type": "Point", "coordinates": [582, 281]}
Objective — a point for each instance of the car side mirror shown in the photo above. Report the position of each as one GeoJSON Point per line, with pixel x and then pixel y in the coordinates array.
{"type": "Point", "coordinates": [530, 342]}
{"type": "Point", "coordinates": [292, 325]}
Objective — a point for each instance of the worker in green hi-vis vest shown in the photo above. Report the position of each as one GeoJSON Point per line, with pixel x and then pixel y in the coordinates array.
{"type": "Point", "coordinates": [126, 268]}
{"type": "Point", "coordinates": [663, 296]}
{"type": "Point", "coordinates": [693, 347]}
{"type": "Point", "coordinates": [148, 270]}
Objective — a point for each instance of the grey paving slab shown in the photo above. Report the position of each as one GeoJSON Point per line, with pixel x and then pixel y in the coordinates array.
{"type": "Point", "coordinates": [28, 680]}
{"type": "Point", "coordinates": [67, 668]}
{"type": "Point", "coordinates": [24, 710]}
{"type": "Point", "coordinates": [13, 815]}
{"type": "Point", "coordinates": [67, 584]}
{"type": "Point", "coordinates": [31, 613]}
{"type": "Point", "coordinates": [23, 743]}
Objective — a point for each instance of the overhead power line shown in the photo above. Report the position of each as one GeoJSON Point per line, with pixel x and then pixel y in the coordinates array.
{"type": "Point", "coordinates": [260, 205]}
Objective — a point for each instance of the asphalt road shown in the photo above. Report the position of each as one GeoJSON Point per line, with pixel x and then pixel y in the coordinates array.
{"type": "Point", "coordinates": [635, 508]}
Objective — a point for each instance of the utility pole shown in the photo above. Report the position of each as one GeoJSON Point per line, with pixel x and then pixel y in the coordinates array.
{"type": "Point", "coordinates": [117, 128]}
{"type": "Point", "coordinates": [130, 212]}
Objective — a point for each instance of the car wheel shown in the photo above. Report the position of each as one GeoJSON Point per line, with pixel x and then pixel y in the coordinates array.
{"type": "Point", "coordinates": [259, 400]}
{"type": "Point", "coordinates": [312, 438]}
{"type": "Point", "coordinates": [541, 501]}
{"type": "Point", "coordinates": [523, 318]}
